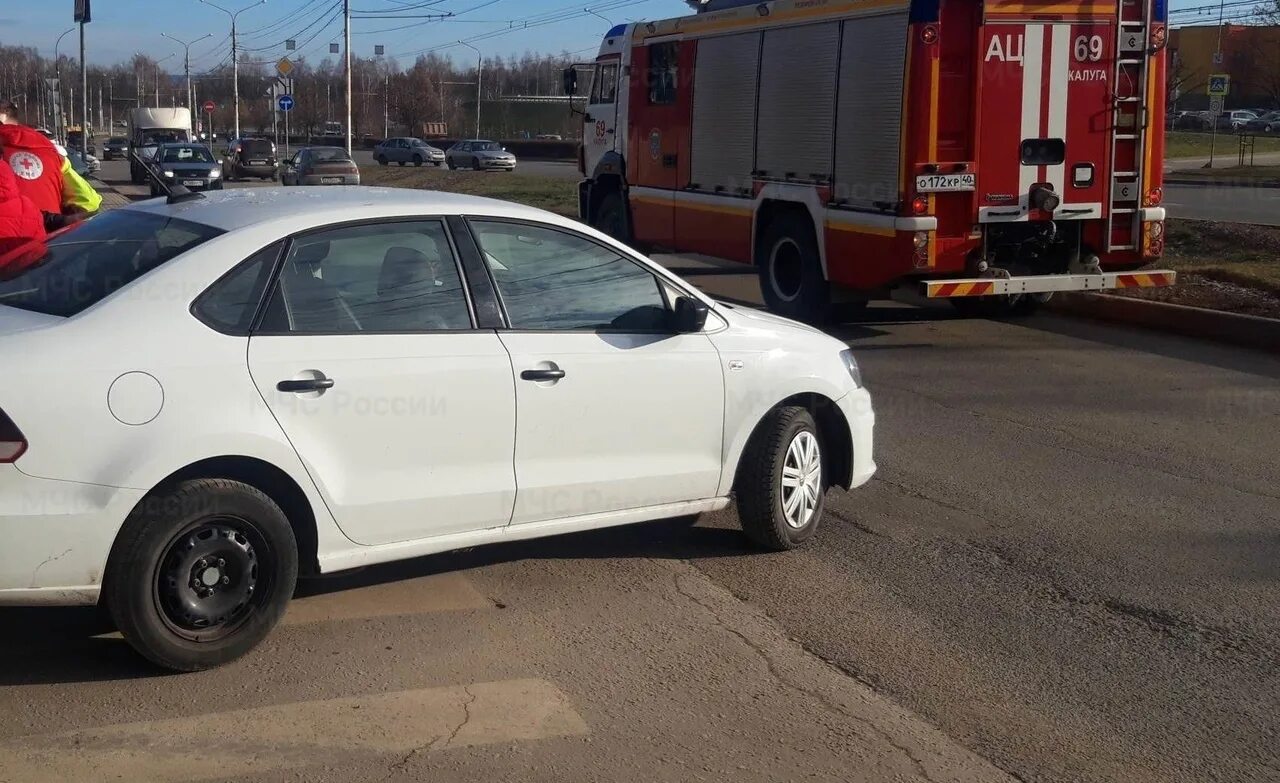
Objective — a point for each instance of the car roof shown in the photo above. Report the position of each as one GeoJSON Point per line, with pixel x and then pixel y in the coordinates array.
{"type": "Point", "coordinates": [300, 209]}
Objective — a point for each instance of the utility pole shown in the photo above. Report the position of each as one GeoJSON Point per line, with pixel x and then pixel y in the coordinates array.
{"type": "Point", "coordinates": [235, 56]}
{"type": "Point", "coordinates": [84, 96]}
{"type": "Point", "coordinates": [186, 69]}
{"type": "Point", "coordinates": [59, 119]}
{"type": "Point", "coordinates": [111, 106]}
{"type": "Point", "coordinates": [157, 75]}
{"type": "Point", "coordinates": [386, 96]}
{"type": "Point", "coordinates": [1217, 62]}
{"type": "Point", "coordinates": [479, 72]}
{"type": "Point", "coordinates": [346, 58]}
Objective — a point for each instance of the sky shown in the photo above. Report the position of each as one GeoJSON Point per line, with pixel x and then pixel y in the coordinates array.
{"type": "Point", "coordinates": [498, 27]}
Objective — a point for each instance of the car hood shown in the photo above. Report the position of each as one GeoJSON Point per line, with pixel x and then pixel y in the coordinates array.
{"type": "Point", "coordinates": [497, 155]}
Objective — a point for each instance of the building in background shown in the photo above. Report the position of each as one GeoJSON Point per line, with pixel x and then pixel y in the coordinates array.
{"type": "Point", "coordinates": [1250, 54]}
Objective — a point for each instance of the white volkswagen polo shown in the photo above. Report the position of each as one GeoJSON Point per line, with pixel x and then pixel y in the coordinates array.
{"type": "Point", "coordinates": [204, 396]}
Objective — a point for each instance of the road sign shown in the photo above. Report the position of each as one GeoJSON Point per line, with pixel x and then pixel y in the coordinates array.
{"type": "Point", "coordinates": [82, 12]}
{"type": "Point", "coordinates": [285, 102]}
{"type": "Point", "coordinates": [209, 106]}
{"type": "Point", "coordinates": [284, 67]}
{"type": "Point", "coordinates": [1215, 105]}
{"type": "Point", "coordinates": [1219, 83]}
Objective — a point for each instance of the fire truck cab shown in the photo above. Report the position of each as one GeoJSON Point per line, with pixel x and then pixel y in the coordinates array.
{"type": "Point", "coordinates": [988, 152]}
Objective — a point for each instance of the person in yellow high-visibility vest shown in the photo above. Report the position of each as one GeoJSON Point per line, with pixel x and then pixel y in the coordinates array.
{"type": "Point", "coordinates": [77, 194]}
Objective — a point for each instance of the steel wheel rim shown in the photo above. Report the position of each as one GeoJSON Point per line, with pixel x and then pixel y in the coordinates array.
{"type": "Point", "coordinates": [801, 480]}
{"type": "Point", "coordinates": [786, 269]}
{"type": "Point", "coordinates": [212, 577]}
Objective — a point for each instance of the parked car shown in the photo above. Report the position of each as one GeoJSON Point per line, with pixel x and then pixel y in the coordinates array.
{"type": "Point", "coordinates": [407, 150]}
{"type": "Point", "coordinates": [190, 165]}
{"type": "Point", "coordinates": [1235, 120]}
{"type": "Point", "coordinates": [254, 407]}
{"type": "Point", "coordinates": [320, 166]}
{"type": "Point", "coordinates": [1193, 120]}
{"type": "Point", "coordinates": [75, 139]}
{"type": "Point", "coordinates": [1265, 123]}
{"type": "Point", "coordinates": [83, 165]}
{"type": "Point", "coordinates": [115, 147]}
{"type": "Point", "coordinates": [481, 155]}
{"type": "Point", "coordinates": [250, 157]}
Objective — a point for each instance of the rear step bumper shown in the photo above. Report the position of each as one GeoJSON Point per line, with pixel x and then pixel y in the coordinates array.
{"type": "Point", "coordinates": [1039, 284]}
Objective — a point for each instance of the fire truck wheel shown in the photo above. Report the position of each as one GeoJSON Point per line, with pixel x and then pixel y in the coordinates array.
{"type": "Point", "coordinates": [781, 486]}
{"type": "Point", "coordinates": [611, 217]}
{"type": "Point", "coordinates": [791, 278]}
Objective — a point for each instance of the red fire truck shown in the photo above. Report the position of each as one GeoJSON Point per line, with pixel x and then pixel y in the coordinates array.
{"type": "Point", "coordinates": [989, 152]}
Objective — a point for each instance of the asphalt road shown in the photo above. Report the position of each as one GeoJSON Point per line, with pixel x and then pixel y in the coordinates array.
{"type": "Point", "coordinates": [1066, 565]}
{"type": "Point", "coordinates": [1228, 204]}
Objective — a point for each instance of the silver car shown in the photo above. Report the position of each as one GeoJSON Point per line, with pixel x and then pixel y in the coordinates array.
{"type": "Point", "coordinates": [480, 155]}
{"type": "Point", "coordinates": [320, 166]}
{"type": "Point", "coordinates": [407, 150]}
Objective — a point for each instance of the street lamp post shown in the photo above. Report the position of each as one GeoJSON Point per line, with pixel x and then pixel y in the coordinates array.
{"type": "Point", "coordinates": [186, 68]}
{"type": "Point", "coordinates": [157, 74]}
{"type": "Point", "coordinates": [479, 73]}
{"type": "Point", "coordinates": [235, 59]}
{"type": "Point", "coordinates": [58, 122]}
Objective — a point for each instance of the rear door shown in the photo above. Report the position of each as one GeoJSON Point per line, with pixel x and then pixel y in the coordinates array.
{"type": "Point", "coordinates": [1046, 117]}
{"type": "Point", "coordinates": [660, 105]}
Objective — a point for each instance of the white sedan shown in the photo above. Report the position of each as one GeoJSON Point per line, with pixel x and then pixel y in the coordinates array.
{"type": "Point", "coordinates": [206, 395]}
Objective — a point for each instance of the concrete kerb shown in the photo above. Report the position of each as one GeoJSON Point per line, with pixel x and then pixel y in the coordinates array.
{"type": "Point", "coordinates": [1245, 331]}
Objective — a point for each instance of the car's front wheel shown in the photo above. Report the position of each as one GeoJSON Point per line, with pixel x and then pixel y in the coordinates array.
{"type": "Point", "coordinates": [417, 160]}
{"type": "Point", "coordinates": [781, 488]}
{"type": "Point", "coordinates": [200, 574]}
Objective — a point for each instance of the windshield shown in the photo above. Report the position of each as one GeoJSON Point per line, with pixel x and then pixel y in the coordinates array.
{"type": "Point", "coordinates": [329, 155]}
{"type": "Point", "coordinates": [91, 260]}
{"type": "Point", "coordinates": [185, 155]}
{"type": "Point", "coordinates": [117, 140]}
{"type": "Point", "coordinates": [162, 137]}
{"type": "Point", "coordinates": [486, 146]}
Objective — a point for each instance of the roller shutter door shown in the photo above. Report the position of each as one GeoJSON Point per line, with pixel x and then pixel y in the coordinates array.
{"type": "Point", "coordinates": [869, 112]}
{"type": "Point", "coordinates": [797, 102]}
{"type": "Point", "coordinates": [724, 113]}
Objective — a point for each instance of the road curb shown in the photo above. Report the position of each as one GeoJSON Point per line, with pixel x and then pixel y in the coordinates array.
{"type": "Point", "coordinates": [1207, 182]}
{"type": "Point", "coordinates": [111, 198]}
{"type": "Point", "coordinates": [1245, 331]}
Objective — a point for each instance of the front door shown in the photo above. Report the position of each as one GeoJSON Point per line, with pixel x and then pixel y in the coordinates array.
{"type": "Point", "coordinates": [615, 410]}
{"type": "Point", "coordinates": [402, 412]}
{"type": "Point", "coordinates": [600, 132]}
{"type": "Point", "coordinates": [1046, 118]}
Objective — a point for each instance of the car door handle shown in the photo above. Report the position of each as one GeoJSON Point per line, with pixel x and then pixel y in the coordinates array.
{"type": "Point", "coordinates": [541, 375]}
{"type": "Point", "coordinates": [309, 385]}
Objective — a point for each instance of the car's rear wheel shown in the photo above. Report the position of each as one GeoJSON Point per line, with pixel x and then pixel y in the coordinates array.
{"type": "Point", "coordinates": [200, 574]}
{"type": "Point", "coordinates": [781, 483]}
{"type": "Point", "coordinates": [382, 160]}
{"type": "Point", "coordinates": [791, 278]}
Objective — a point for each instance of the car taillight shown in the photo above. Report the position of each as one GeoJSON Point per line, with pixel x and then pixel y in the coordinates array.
{"type": "Point", "coordinates": [12, 442]}
{"type": "Point", "coordinates": [920, 205]}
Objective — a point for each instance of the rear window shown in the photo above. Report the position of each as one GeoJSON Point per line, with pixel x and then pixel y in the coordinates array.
{"type": "Point", "coordinates": [329, 154]}
{"type": "Point", "coordinates": [256, 147]}
{"type": "Point", "coordinates": [117, 140]}
{"type": "Point", "coordinates": [92, 260]}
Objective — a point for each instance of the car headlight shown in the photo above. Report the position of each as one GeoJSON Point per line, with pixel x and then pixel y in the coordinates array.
{"type": "Point", "coordinates": [168, 173]}
{"type": "Point", "coordinates": [215, 173]}
{"type": "Point", "coordinates": [851, 364]}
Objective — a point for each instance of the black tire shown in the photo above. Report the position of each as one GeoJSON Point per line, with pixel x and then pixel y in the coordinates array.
{"type": "Point", "coordinates": [401, 163]}
{"type": "Point", "coordinates": [451, 165]}
{"type": "Point", "coordinates": [762, 498]}
{"type": "Point", "coordinates": [612, 217]}
{"type": "Point", "coordinates": [475, 163]}
{"type": "Point", "coordinates": [791, 278]}
{"type": "Point", "coordinates": [158, 573]}
{"type": "Point", "coordinates": [417, 160]}
{"type": "Point", "coordinates": [382, 160]}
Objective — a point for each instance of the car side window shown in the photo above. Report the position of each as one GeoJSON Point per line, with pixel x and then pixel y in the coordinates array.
{"type": "Point", "coordinates": [556, 280]}
{"type": "Point", "coordinates": [664, 76]}
{"type": "Point", "coordinates": [230, 304]}
{"type": "Point", "coordinates": [382, 277]}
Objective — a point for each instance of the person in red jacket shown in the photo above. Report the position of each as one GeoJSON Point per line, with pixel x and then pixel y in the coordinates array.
{"type": "Point", "coordinates": [33, 159]}
{"type": "Point", "coordinates": [21, 226]}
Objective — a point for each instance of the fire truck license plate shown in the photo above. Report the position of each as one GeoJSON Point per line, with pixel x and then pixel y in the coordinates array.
{"type": "Point", "coordinates": [941, 183]}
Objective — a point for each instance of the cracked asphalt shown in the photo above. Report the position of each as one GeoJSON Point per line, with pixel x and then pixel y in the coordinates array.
{"type": "Point", "coordinates": [1065, 570]}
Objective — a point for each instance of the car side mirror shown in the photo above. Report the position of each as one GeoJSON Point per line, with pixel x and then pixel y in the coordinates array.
{"type": "Point", "coordinates": [690, 315]}
{"type": "Point", "coordinates": [570, 76]}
